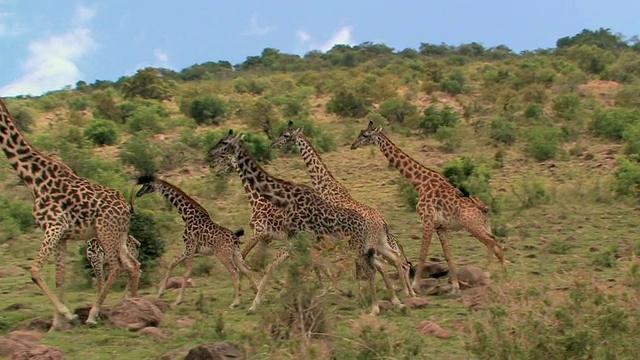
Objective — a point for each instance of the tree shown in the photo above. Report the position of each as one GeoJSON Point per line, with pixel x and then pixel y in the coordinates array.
{"type": "Point", "coordinates": [602, 38]}
{"type": "Point", "coordinates": [102, 132]}
{"type": "Point", "coordinates": [208, 109]}
{"type": "Point", "coordinates": [263, 116]}
{"type": "Point", "coordinates": [147, 83]}
{"type": "Point", "coordinates": [347, 103]}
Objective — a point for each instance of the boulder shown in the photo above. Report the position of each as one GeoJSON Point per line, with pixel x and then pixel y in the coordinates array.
{"type": "Point", "coordinates": [216, 351]}
{"type": "Point", "coordinates": [39, 352]}
{"type": "Point", "coordinates": [134, 314]}
{"type": "Point", "coordinates": [175, 282]}
{"type": "Point", "coordinates": [471, 276]}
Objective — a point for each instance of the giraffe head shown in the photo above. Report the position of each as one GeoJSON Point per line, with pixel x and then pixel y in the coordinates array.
{"type": "Point", "coordinates": [368, 136]}
{"type": "Point", "coordinates": [225, 147]}
{"type": "Point", "coordinates": [148, 185]}
{"type": "Point", "coordinates": [288, 137]}
{"type": "Point", "coordinates": [225, 164]}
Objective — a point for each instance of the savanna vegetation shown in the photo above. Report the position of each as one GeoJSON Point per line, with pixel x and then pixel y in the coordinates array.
{"type": "Point", "coordinates": [549, 138]}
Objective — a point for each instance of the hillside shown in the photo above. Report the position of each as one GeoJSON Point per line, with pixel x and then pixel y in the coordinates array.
{"type": "Point", "coordinates": [549, 138]}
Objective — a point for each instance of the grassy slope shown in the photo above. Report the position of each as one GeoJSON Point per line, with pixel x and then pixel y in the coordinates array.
{"type": "Point", "coordinates": [591, 228]}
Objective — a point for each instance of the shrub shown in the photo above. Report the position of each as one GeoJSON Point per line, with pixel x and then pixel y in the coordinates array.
{"type": "Point", "coordinates": [626, 178]}
{"type": "Point", "coordinates": [533, 111]}
{"type": "Point", "coordinates": [141, 153]}
{"type": "Point", "coordinates": [23, 117]}
{"type": "Point", "coordinates": [629, 96]}
{"type": "Point", "coordinates": [347, 103]}
{"type": "Point", "coordinates": [208, 109]}
{"type": "Point", "coordinates": [454, 83]}
{"type": "Point", "coordinates": [15, 218]}
{"type": "Point", "coordinates": [543, 142]}
{"type": "Point", "coordinates": [102, 132]}
{"type": "Point", "coordinates": [450, 137]}
{"type": "Point", "coordinates": [631, 137]}
{"type": "Point", "coordinates": [397, 110]}
{"type": "Point", "coordinates": [567, 106]}
{"type": "Point", "coordinates": [471, 178]}
{"type": "Point", "coordinates": [104, 106]}
{"type": "Point", "coordinates": [503, 131]}
{"type": "Point", "coordinates": [78, 102]}
{"type": "Point", "coordinates": [531, 192]}
{"type": "Point", "coordinates": [408, 193]}
{"type": "Point", "coordinates": [262, 115]}
{"type": "Point", "coordinates": [611, 123]}
{"type": "Point", "coordinates": [586, 323]}
{"type": "Point", "coordinates": [252, 86]}
{"type": "Point", "coordinates": [434, 118]}
{"type": "Point", "coordinates": [258, 146]}
{"type": "Point", "coordinates": [145, 119]}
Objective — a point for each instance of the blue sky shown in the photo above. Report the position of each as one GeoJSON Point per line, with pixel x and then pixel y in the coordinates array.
{"type": "Point", "coordinates": [46, 45]}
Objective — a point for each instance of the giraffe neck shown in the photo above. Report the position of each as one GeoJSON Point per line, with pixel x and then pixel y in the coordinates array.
{"type": "Point", "coordinates": [254, 195]}
{"type": "Point", "coordinates": [408, 167]}
{"type": "Point", "coordinates": [34, 168]}
{"type": "Point", "coordinates": [322, 179]}
{"type": "Point", "coordinates": [271, 188]}
{"type": "Point", "coordinates": [186, 206]}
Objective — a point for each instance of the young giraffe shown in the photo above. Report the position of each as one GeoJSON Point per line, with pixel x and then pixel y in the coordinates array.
{"type": "Point", "coordinates": [337, 194]}
{"type": "Point", "coordinates": [306, 211]}
{"type": "Point", "coordinates": [68, 207]}
{"type": "Point", "coordinates": [441, 205]}
{"type": "Point", "coordinates": [200, 235]}
{"type": "Point", "coordinates": [267, 220]}
{"type": "Point", "coordinates": [95, 254]}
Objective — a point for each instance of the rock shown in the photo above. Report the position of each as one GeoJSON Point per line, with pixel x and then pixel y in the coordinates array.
{"type": "Point", "coordinates": [154, 332]}
{"type": "Point", "coordinates": [18, 341]}
{"type": "Point", "coordinates": [174, 354]}
{"type": "Point", "coordinates": [185, 321]}
{"type": "Point", "coordinates": [161, 304]}
{"type": "Point", "coordinates": [39, 352]}
{"type": "Point", "coordinates": [385, 304]}
{"type": "Point", "coordinates": [134, 314]}
{"type": "Point", "coordinates": [216, 351]}
{"type": "Point", "coordinates": [476, 298]}
{"type": "Point", "coordinates": [25, 336]}
{"type": "Point", "coordinates": [11, 270]}
{"type": "Point", "coordinates": [435, 269]}
{"type": "Point", "coordinates": [471, 276]}
{"type": "Point", "coordinates": [429, 327]}
{"type": "Point", "coordinates": [41, 323]}
{"type": "Point", "coordinates": [416, 303]}
{"type": "Point", "coordinates": [83, 312]}
{"type": "Point", "coordinates": [176, 282]}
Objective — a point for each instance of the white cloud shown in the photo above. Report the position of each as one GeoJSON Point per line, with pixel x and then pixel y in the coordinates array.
{"type": "Point", "coordinates": [303, 36]}
{"type": "Point", "coordinates": [162, 58]}
{"type": "Point", "coordinates": [9, 26]}
{"type": "Point", "coordinates": [257, 30]}
{"type": "Point", "coordinates": [343, 36]}
{"type": "Point", "coordinates": [52, 61]}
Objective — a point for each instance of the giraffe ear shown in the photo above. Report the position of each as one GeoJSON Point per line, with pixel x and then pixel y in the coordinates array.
{"type": "Point", "coordinates": [230, 132]}
{"type": "Point", "coordinates": [378, 129]}
{"type": "Point", "coordinates": [241, 137]}
{"type": "Point", "coordinates": [370, 126]}
{"type": "Point", "coordinates": [300, 130]}
{"type": "Point", "coordinates": [290, 123]}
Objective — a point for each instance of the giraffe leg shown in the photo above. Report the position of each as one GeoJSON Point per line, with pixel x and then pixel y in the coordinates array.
{"type": "Point", "coordinates": [95, 255]}
{"type": "Point", "coordinates": [444, 242]}
{"type": "Point", "coordinates": [132, 268]}
{"type": "Point", "coordinates": [61, 258]}
{"type": "Point", "coordinates": [52, 236]}
{"type": "Point", "coordinates": [244, 269]}
{"type": "Point", "coordinates": [280, 258]}
{"type": "Point", "coordinates": [392, 293]}
{"type": "Point", "coordinates": [428, 226]}
{"type": "Point", "coordinates": [491, 242]}
{"type": "Point", "coordinates": [388, 254]}
{"type": "Point", "coordinates": [178, 259]}
{"type": "Point", "coordinates": [235, 277]}
{"type": "Point", "coordinates": [187, 273]}
{"type": "Point", "coordinates": [255, 238]}
{"type": "Point", "coordinates": [375, 306]}
{"type": "Point", "coordinates": [109, 242]}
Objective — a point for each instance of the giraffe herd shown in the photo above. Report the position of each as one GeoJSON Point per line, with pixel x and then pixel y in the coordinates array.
{"type": "Point", "coordinates": [68, 207]}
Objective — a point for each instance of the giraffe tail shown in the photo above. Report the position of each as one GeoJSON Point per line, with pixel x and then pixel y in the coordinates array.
{"type": "Point", "coordinates": [238, 233]}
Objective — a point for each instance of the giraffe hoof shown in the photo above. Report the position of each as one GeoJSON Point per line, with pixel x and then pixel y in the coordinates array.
{"type": "Point", "coordinates": [233, 306]}
{"type": "Point", "coordinates": [251, 311]}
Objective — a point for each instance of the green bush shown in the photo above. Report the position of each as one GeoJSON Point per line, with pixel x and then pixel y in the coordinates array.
{"type": "Point", "coordinates": [543, 142]}
{"type": "Point", "coordinates": [534, 111]}
{"type": "Point", "coordinates": [628, 96]}
{"type": "Point", "coordinates": [259, 146]}
{"type": "Point", "coordinates": [626, 178]}
{"type": "Point", "coordinates": [586, 323]}
{"type": "Point", "coordinates": [252, 86]}
{"type": "Point", "coordinates": [407, 193]}
{"type": "Point", "coordinates": [348, 104]}
{"type": "Point", "coordinates": [567, 106]}
{"type": "Point", "coordinates": [433, 118]}
{"type": "Point", "coordinates": [454, 83]}
{"type": "Point", "coordinates": [15, 218]}
{"type": "Point", "coordinates": [208, 109]}
{"type": "Point", "coordinates": [141, 153]}
{"type": "Point", "coordinates": [78, 102]}
{"type": "Point", "coordinates": [611, 123]}
{"type": "Point", "coordinates": [471, 178]}
{"type": "Point", "coordinates": [102, 132]}
{"type": "Point", "coordinates": [397, 110]}
{"type": "Point", "coordinates": [22, 115]}
{"type": "Point", "coordinates": [531, 192]}
{"type": "Point", "coordinates": [503, 131]}
{"type": "Point", "coordinates": [104, 106]}
{"type": "Point", "coordinates": [631, 137]}
{"type": "Point", "coordinates": [450, 137]}
{"type": "Point", "coordinates": [145, 119]}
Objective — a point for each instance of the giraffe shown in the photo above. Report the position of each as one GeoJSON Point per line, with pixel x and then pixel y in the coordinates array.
{"type": "Point", "coordinates": [337, 194]}
{"type": "Point", "coordinates": [68, 207]}
{"type": "Point", "coordinates": [200, 235]}
{"type": "Point", "coordinates": [267, 220]}
{"type": "Point", "coordinates": [95, 254]}
{"type": "Point", "coordinates": [442, 206]}
{"type": "Point", "coordinates": [306, 211]}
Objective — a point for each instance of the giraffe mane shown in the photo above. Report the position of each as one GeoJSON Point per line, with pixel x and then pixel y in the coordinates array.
{"type": "Point", "coordinates": [145, 179]}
